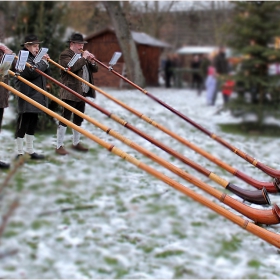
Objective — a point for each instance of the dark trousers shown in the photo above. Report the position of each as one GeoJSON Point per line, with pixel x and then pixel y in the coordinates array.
{"type": "Point", "coordinates": [168, 78]}
{"type": "Point", "coordinates": [80, 106]}
{"type": "Point", "coordinates": [26, 124]}
{"type": "Point", "coordinates": [1, 117]}
{"type": "Point", "coordinates": [226, 98]}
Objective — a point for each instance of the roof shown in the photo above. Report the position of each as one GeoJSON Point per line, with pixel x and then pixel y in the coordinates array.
{"type": "Point", "coordinates": [139, 38]}
{"type": "Point", "coordinates": [145, 39]}
{"type": "Point", "coordinates": [194, 50]}
{"type": "Point", "coordinates": [200, 50]}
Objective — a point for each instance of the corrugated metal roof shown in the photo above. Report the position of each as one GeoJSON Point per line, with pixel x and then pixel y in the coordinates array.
{"type": "Point", "coordinates": [145, 39]}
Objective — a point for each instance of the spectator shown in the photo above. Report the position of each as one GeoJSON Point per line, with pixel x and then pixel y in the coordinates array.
{"type": "Point", "coordinates": [210, 85]}
{"type": "Point", "coordinates": [227, 89]}
{"type": "Point", "coordinates": [222, 68]}
{"type": "Point", "coordinates": [176, 63]}
{"type": "Point", "coordinates": [168, 70]}
{"type": "Point", "coordinates": [197, 81]}
{"type": "Point", "coordinates": [204, 65]}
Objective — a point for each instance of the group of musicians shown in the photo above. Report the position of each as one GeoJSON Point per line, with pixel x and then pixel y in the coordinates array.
{"type": "Point", "coordinates": [27, 119]}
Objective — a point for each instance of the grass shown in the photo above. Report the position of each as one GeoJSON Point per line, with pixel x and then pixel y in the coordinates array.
{"type": "Point", "coordinates": [231, 245]}
{"type": "Point", "coordinates": [65, 195]}
{"type": "Point", "coordinates": [248, 128]}
{"type": "Point", "coordinates": [254, 263]}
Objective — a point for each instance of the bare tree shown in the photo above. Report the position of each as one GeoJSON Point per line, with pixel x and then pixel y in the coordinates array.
{"type": "Point", "coordinates": [217, 12]}
{"type": "Point", "coordinates": [2, 22]}
{"type": "Point", "coordinates": [151, 15]}
{"type": "Point", "coordinates": [2, 26]}
{"type": "Point", "coordinates": [127, 44]}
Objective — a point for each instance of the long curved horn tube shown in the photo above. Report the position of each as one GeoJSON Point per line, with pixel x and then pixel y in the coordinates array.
{"type": "Point", "coordinates": [271, 216]}
{"type": "Point", "coordinates": [270, 187]}
{"type": "Point", "coordinates": [257, 197]}
{"type": "Point", "coordinates": [270, 237]}
{"type": "Point", "coordinates": [266, 169]}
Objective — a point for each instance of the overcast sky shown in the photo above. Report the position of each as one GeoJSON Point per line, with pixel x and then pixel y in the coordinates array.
{"type": "Point", "coordinates": [184, 5]}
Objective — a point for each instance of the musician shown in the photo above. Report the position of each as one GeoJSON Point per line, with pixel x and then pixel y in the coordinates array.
{"type": "Point", "coordinates": [4, 96]}
{"type": "Point", "coordinates": [84, 67]}
{"type": "Point", "coordinates": [27, 113]}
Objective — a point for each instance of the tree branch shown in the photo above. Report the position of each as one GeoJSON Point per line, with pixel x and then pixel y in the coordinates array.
{"type": "Point", "coordinates": [6, 217]}
{"type": "Point", "coordinates": [12, 172]}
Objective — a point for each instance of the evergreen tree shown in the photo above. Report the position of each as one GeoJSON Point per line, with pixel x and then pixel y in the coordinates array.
{"type": "Point", "coordinates": [252, 33]}
{"type": "Point", "coordinates": [43, 18]}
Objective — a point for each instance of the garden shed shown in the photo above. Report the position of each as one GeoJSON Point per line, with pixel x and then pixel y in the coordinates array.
{"type": "Point", "coordinates": [104, 43]}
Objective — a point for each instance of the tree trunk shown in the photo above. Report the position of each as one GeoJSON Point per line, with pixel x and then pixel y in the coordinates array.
{"type": "Point", "coordinates": [2, 26]}
{"type": "Point", "coordinates": [127, 44]}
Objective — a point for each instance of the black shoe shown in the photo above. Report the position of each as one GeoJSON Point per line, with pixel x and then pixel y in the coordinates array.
{"type": "Point", "coordinates": [36, 156]}
{"type": "Point", "coordinates": [4, 165]}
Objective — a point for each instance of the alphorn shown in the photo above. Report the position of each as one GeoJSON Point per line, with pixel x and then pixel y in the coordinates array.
{"type": "Point", "coordinates": [271, 216]}
{"type": "Point", "coordinates": [266, 169]}
{"type": "Point", "coordinates": [270, 187]}
{"type": "Point", "coordinates": [257, 197]}
{"type": "Point", "coordinates": [268, 236]}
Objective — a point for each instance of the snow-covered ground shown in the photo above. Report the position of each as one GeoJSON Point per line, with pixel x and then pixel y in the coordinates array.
{"type": "Point", "coordinates": [136, 226]}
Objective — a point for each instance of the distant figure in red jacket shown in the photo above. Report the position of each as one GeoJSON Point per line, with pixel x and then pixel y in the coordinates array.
{"type": "Point", "coordinates": [227, 89]}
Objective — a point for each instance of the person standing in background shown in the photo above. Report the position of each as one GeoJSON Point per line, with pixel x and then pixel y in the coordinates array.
{"type": "Point", "coordinates": [210, 85]}
{"type": "Point", "coordinates": [168, 70]}
{"type": "Point", "coordinates": [204, 65]}
{"type": "Point", "coordinates": [227, 88]}
{"type": "Point", "coordinates": [197, 81]}
{"type": "Point", "coordinates": [222, 69]}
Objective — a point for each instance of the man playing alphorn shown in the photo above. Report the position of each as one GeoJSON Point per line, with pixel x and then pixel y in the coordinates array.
{"type": "Point", "coordinates": [27, 113]}
{"type": "Point", "coordinates": [83, 67]}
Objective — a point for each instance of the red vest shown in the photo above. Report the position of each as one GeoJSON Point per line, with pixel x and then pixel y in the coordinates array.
{"type": "Point", "coordinates": [227, 87]}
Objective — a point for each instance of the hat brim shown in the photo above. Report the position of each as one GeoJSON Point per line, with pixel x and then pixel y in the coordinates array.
{"type": "Point", "coordinates": [32, 43]}
{"type": "Point", "coordinates": [79, 42]}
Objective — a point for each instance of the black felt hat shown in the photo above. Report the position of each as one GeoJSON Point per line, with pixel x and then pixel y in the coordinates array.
{"type": "Point", "coordinates": [77, 38]}
{"type": "Point", "coordinates": [30, 40]}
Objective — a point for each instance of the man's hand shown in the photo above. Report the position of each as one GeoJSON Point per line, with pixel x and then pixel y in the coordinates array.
{"type": "Point", "coordinates": [89, 56]}
{"type": "Point", "coordinates": [46, 57]}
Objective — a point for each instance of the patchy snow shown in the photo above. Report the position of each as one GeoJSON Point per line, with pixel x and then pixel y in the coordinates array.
{"type": "Point", "coordinates": [136, 226]}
